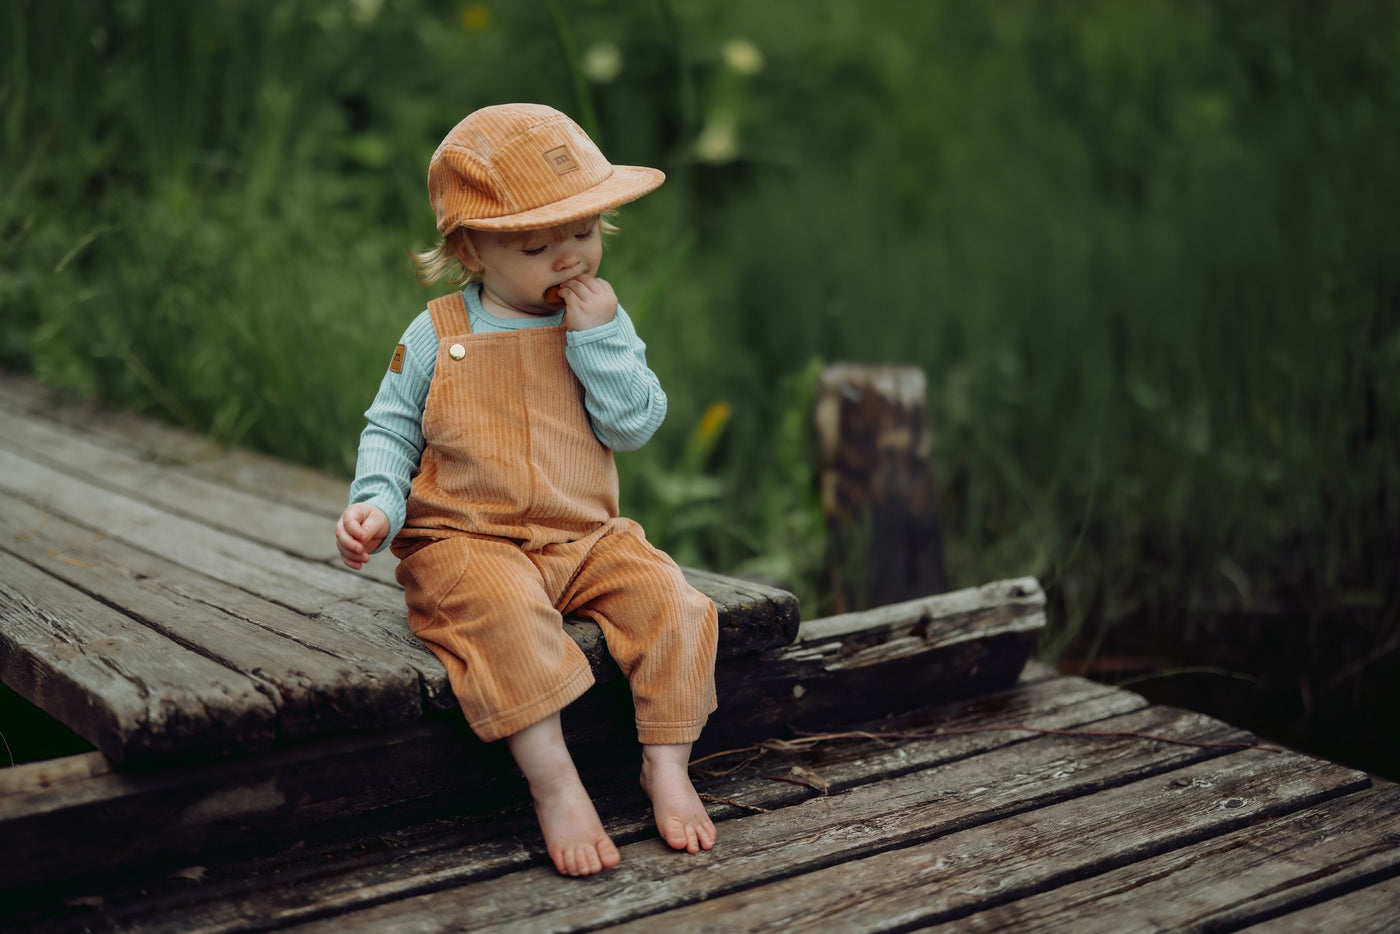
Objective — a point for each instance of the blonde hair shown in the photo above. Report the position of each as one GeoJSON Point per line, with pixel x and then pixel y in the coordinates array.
{"type": "Point", "coordinates": [448, 260]}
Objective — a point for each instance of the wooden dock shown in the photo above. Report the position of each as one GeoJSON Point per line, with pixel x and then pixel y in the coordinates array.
{"type": "Point", "coordinates": [272, 750]}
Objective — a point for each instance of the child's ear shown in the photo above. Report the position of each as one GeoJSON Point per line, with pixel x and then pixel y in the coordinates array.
{"type": "Point", "coordinates": [466, 251]}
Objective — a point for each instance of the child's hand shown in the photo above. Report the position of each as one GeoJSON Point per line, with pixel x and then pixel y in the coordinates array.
{"type": "Point", "coordinates": [360, 530]}
{"type": "Point", "coordinates": [589, 302]}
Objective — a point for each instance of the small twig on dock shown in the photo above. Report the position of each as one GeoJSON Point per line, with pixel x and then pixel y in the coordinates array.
{"type": "Point", "coordinates": [802, 743]}
{"type": "Point", "coordinates": [732, 803]}
{"type": "Point", "coordinates": [797, 775]}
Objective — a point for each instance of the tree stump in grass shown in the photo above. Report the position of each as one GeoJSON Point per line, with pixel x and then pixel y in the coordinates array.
{"type": "Point", "coordinates": [884, 544]}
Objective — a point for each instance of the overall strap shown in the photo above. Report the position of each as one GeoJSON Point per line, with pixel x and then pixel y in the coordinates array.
{"type": "Point", "coordinates": [449, 314]}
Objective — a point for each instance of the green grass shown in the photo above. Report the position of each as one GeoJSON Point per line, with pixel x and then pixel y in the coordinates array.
{"type": "Point", "coordinates": [1145, 252]}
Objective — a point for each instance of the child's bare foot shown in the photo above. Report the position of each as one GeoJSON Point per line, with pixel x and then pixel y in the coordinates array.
{"type": "Point", "coordinates": [680, 816]}
{"type": "Point", "coordinates": [573, 834]}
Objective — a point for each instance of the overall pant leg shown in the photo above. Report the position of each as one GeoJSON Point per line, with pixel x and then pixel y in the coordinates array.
{"type": "Point", "coordinates": [483, 609]}
{"type": "Point", "coordinates": [661, 631]}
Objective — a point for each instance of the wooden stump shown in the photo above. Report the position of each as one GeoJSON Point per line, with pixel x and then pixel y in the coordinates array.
{"type": "Point", "coordinates": [884, 541]}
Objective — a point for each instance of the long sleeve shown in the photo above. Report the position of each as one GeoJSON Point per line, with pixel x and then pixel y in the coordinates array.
{"type": "Point", "coordinates": [391, 445]}
{"type": "Point", "coordinates": [623, 396]}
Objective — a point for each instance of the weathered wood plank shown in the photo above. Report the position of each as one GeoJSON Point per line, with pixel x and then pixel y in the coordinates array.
{"type": "Point", "coordinates": [871, 818]}
{"type": "Point", "coordinates": [81, 815]}
{"type": "Point", "coordinates": [303, 585]}
{"type": "Point", "coordinates": [1268, 870]}
{"type": "Point", "coordinates": [910, 741]}
{"type": "Point", "coordinates": [1372, 910]}
{"type": "Point", "coordinates": [360, 607]}
{"type": "Point", "coordinates": [947, 878]}
{"type": "Point", "coordinates": [321, 680]}
{"type": "Point", "coordinates": [77, 815]}
{"type": "Point", "coordinates": [124, 688]}
{"type": "Point", "coordinates": [910, 654]}
{"type": "Point", "coordinates": [176, 448]}
{"type": "Point", "coordinates": [288, 528]}
{"type": "Point", "coordinates": [751, 615]}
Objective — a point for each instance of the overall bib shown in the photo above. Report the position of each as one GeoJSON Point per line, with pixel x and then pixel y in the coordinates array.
{"type": "Point", "coordinates": [512, 523]}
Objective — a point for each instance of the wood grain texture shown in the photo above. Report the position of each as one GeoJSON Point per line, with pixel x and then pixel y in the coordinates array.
{"type": "Point", "coordinates": [874, 819]}
{"type": "Point", "coordinates": [1263, 871]}
{"type": "Point", "coordinates": [910, 654]}
{"type": "Point", "coordinates": [950, 876]}
{"type": "Point", "coordinates": [251, 515]}
{"type": "Point", "coordinates": [282, 554]}
{"type": "Point", "coordinates": [151, 440]}
{"type": "Point", "coordinates": [131, 692]}
{"type": "Point", "coordinates": [1372, 910]}
{"type": "Point", "coordinates": [957, 821]}
{"type": "Point", "coordinates": [338, 883]}
{"type": "Point", "coordinates": [320, 680]}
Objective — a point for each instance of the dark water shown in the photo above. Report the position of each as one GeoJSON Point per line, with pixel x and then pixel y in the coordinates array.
{"type": "Point", "coordinates": [27, 734]}
{"type": "Point", "coordinates": [1330, 689]}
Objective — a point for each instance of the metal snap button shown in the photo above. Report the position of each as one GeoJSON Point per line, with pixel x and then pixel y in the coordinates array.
{"type": "Point", "coordinates": [456, 351]}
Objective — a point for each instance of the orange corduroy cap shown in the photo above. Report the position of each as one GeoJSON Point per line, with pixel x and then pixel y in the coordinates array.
{"type": "Point", "coordinates": [526, 166]}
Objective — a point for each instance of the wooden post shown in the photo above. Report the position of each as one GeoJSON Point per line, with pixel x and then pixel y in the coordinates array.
{"type": "Point", "coordinates": [884, 541]}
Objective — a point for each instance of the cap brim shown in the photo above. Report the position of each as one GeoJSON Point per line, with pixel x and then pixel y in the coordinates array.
{"type": "Point", "coordinates": [626, 183]}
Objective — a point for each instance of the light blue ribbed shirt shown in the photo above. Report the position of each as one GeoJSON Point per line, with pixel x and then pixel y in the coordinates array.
{"type": "Point", "coordinates": [624, 399]}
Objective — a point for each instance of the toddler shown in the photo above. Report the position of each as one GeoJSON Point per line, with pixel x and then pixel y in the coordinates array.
{"type": "Point", "coordinates": [487, 465]}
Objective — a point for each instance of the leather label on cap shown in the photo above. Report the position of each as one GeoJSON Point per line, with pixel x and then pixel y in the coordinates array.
{"type": "Point", "coordinates": [561, 160]}
{"type": "Point", "coordinates": [396, 362]}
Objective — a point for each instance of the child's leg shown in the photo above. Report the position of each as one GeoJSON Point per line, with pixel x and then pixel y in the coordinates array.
{"type": "Point", "coordinates": [482, 608]}
{"type": "Point", "coordinates": [573, 834]}
{"type": "Point", "coordinates": [680, 816]}
{"type": "Point", "coordinates": [662, 633]}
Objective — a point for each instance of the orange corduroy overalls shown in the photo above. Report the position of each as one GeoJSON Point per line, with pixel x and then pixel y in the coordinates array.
{"type": "Point", "coordinates": [512, 523]}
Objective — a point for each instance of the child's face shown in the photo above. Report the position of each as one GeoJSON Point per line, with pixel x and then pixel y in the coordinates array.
{"type": "Point", "coordinates": [517, 266]}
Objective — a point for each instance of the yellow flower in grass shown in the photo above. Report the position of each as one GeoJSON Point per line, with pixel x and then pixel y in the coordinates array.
{"type": "Point", "coordinates": [476, 17]}
{"type": "Point", "coordinates": [712, 423]}
{"type": "Point", "coordinates": [706, 435]}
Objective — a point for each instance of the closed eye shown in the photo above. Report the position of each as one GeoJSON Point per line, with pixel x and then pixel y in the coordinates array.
{"type": "Point", "coordinates": [535, 251]}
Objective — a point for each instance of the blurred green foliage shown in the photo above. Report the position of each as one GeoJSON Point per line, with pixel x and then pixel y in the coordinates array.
{"type": "Point", "coordinates": [1145, 251]}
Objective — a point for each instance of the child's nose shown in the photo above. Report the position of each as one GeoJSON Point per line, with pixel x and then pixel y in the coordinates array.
{"type": "Point", "coordinates": [567, 257]}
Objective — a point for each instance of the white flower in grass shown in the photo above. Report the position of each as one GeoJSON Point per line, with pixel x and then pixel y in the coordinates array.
{"type": "Point", "coordinates": [602, 62]}
{"type": "Point", "coordinates": [364, 12]}
{"type": "Point", "coordinates": [718, 142]}
{"type": "Point", "coordinates": [742, 56]}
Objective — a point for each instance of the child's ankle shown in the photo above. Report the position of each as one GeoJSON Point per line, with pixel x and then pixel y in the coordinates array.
{"type": "Point", "coordinates": [668, 755]}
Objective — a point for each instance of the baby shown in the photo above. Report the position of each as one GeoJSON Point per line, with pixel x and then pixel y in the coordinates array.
{"type": "Point", "coordinates": [487, 465]}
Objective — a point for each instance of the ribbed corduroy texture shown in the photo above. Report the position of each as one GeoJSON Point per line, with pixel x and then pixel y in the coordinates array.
{"type": "Point", "coordinates": [524, 166]}
{"type": "Point", "coordinates": [509, 449]}
{"type": "Point", "coordinates": [512, 521]}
